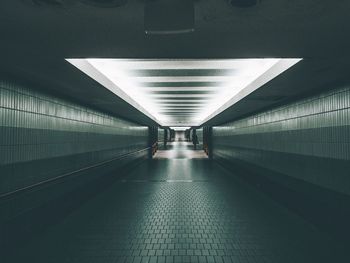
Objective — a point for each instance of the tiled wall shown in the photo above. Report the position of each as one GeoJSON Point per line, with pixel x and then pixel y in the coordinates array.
{"type": "Point", "coordinates": [200, 136]}
{"type": "Point", "coordinates": [160, 136]}
{"type": "Point", "coordinates": [307, 140]}
{"type": "Point", "coordinates": [43, 137]}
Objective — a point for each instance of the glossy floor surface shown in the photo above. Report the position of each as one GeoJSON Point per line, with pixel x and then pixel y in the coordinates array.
{"type": "Point", "coordinates": [181, 210]}
{"type": "Point", "coordinates": [180, 150]}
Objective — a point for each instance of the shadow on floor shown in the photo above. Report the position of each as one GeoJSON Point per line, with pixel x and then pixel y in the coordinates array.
{"type": "Point", "coordinates": [181, 210]}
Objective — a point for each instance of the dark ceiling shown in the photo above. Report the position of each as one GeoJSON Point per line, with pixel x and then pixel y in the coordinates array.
{"type": "Point", "coordinates": [35, 39]}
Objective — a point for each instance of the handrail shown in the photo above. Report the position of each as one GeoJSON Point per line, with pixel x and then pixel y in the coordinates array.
{"type": "Point", "coordinates": [30, 187]}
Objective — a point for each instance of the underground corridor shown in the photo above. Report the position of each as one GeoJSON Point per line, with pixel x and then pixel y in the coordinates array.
{"type": "Point", "coordinates": [163, 131]}
{"type": "Point", "coordinates": [180, 207]}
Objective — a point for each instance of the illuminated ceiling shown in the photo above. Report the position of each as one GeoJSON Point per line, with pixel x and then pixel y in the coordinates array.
{"type": "Point", "coordinates": [182, 92]}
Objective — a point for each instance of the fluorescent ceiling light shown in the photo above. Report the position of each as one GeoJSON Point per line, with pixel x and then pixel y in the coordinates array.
{"type": "Point", "coordinates": [182, 92]}
{"type": "Point", "coordinates": [180, 128]}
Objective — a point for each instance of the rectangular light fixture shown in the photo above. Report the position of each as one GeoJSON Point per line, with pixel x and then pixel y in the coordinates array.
{"type": "Point", "coordinates": [181, 128]}
{"type": "Point", "coordinates": [182, 92]}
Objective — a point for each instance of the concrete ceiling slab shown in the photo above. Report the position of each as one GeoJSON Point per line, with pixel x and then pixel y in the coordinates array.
{"type": "Point", "coordinates": [35, 39]}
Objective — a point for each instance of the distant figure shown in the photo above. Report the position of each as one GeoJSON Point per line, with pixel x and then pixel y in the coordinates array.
{"type": "Point", "coordinates": [195, 140]}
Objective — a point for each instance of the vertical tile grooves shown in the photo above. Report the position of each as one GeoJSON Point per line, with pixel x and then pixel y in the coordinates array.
{"type": "Point", "coordinates": [308, 139]}
{"type": "Point", "coordinates": [43, 137]}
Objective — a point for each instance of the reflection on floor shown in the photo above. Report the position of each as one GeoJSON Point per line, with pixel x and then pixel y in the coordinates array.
{"type": "Point", "coordinates": [181, 210]}
{"type": "Point", "coordinates": [180, 150]}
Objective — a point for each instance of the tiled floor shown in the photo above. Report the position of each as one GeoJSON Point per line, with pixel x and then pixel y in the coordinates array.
{"type": "Point", "coordinates": [181, 210]}
{"type": "Point", "coordinates": [180, 150]}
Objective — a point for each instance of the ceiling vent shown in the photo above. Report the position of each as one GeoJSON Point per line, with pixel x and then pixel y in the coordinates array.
{"type": "Point", "coordinates": [163, 17]}
{"type": "Point", "coordinates": [105, 3]}
{"type": "Point", "coordinates": [243, 3]}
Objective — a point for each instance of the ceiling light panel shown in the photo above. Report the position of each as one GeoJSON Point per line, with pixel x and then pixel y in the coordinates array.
{"type": "Point", "coordinates": [182, 92]}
